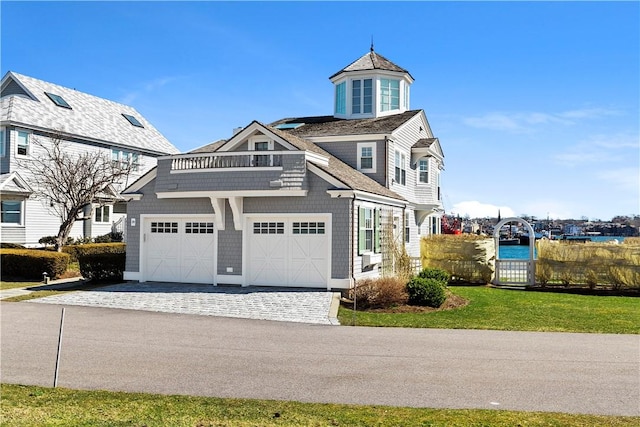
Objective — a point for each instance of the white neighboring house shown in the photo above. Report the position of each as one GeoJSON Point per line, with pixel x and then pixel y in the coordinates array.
{"type": "Point", "coordinates": [35, 110]}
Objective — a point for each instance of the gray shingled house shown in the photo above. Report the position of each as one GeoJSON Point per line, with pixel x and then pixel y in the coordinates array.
{"type": "Point", "coordinates": [35, 111]}
{"type": "Point", "coordinates": [306, 201]}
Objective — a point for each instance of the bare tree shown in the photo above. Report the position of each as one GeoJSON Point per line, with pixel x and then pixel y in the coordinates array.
{"type": "Point", "coordinates": [70, 181]}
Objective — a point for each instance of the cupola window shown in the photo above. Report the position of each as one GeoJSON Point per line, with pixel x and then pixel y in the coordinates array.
{"type": "Point", "coordinates": [341, 98]}
{"type": "Point", "coordinates": [389, 94]}
{"type": "Point", "coordinates": [362, 96]}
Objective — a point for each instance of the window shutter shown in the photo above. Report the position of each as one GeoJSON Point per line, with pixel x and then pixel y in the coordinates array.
{"type": "Point", "coordinates": [376, 230]}
{"type": "Point", "coordinates": [361, 231]}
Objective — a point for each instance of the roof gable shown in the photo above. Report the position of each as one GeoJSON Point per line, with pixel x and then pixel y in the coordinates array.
{"type": "Point", "coordinates": [87, 117]}
{"type": "Point", "coordinates": [12, 183]}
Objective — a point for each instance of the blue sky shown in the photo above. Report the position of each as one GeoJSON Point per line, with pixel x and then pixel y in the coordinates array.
{"type": "Point", "coordinates": [536, 104]}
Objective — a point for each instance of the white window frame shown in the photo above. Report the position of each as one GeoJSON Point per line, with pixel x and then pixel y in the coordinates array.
{"type": "Point", "coordinates": [262, 160]}
{"type": "Point", "coordinates": [425, 161]}
{"type": "Point", "coordinates": [386, 95]}
{"type": "Point", "coordinates": [3, 140]}
{"type": "Point", "coordinates": [341, 98]}
{"type": "Point", "coordinates": [360, 147]}
{"type": "Point", "coordinates": [124, 157]}
{"type": "Point", "coordinates": [360, 104]}
{"type": "Point", "coordinates": [102, 209]}
{"type": "Point", "coordinates": [400, 168]}
{"type": "Point", "coordinates": [28, 143]}
{"type": "Point", "coordinates": [20, 222]}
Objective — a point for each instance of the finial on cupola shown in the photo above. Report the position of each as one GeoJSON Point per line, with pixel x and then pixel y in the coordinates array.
{"type": "Point", "coordinates": [371, 43]}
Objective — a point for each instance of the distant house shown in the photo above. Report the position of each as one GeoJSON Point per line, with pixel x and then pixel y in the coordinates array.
{"type": "Point", "coordinates": [304, 201]}
{"type": "Point", "coordinates": [35, 110]}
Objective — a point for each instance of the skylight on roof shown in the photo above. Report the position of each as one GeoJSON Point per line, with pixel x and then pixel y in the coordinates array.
{"type": "Point", "coordinates": [288, 125]}
{"type": "Point", "coordinates": [58, 100]}
{"type": "Point", "coordinates": [132, 120]}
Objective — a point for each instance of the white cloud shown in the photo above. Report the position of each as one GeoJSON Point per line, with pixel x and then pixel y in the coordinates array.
{"type": "Point", "coordinates": [599, 149]}
{"type": "Point", "coordinates": [524, 121]}
{"type": "Point", "coordinates": [477, 209]}
{"type": "Point", "coordinates": [145, 88]}
{"type": "Point", "coordinates": [626, 179]}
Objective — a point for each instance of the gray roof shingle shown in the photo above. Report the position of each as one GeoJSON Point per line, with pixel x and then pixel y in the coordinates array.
{"type": "Point", "coordinates": [371, 61]}
{"type": "Point", "coordinates": [331, 126]}
{"type": "Point", "coordinates": [90, 117]}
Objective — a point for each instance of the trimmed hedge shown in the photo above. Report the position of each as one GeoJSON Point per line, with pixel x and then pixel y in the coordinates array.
{"type": "Point", "coordinates": [102, 266]}
{"type": "Point", "coordinates": [75, 251]}
{"type": "Point", "coordinates": [31, 263]}
{"type": "Point", "coordinates": [426, 292]}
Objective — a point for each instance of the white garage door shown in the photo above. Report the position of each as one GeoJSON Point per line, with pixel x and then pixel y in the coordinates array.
{"type": "Point", "coordinates": [179, 250]}
{"type": "Point", "coordinates": [288, 251]}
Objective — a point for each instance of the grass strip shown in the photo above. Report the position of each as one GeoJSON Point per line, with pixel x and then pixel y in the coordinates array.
{"type": "Point", "coordinates": [516, 310]}
{"type": "Point", "coordinates": [32, 405]}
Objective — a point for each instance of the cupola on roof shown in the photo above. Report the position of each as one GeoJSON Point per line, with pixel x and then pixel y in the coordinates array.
{"type": "Point", "coordinates": [371, 61]}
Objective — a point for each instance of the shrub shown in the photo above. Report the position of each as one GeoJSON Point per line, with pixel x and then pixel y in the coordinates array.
{"type": "Point", "coordinates": [11, 246]}
{"type": "Point", "coordinates": [92, 248]}
{"type": "Point", "coordinates": [102, 266]}
{"type": "Point", "coordinates": [381, 292]}
{"type": "Point", "coordinates": [31, 263]}
{"type": "Point", "coordinates": [426, 292]}
{"type": "Point", "coordinates": [114, 236]}
{"type": "Point", "coordinates": [435, 273]}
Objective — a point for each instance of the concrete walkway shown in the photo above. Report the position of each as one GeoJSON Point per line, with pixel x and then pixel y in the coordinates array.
{"type": "Point", "coordinates": [262, 303]}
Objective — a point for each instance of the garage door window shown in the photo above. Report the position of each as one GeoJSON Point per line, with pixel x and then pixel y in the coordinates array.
{"type": "Point", "coordinates": [198, 228]}
{"type": "Point", "coordinates": [268, 228]}
{"type": "Point", "coordinates": [308, 228]}
{"type": "Point", "coordinates": [164, 227]}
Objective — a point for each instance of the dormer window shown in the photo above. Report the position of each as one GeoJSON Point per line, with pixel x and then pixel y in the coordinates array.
{"type": "Point", "coordinates": [135, 122]}
{"type": "Point", "coordinates": [389, 94]}
{"type": "Point", "coordinates": [58, 100]}
{"type": "Point", "coordinates": [362, 96]}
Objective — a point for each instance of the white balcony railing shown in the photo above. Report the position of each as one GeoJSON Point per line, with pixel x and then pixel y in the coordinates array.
{"type": "Point", "coordinates": [231, 160]}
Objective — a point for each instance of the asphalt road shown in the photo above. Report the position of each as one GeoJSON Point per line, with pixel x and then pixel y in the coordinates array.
{"type": "Point", "coordinates": [130, 350]}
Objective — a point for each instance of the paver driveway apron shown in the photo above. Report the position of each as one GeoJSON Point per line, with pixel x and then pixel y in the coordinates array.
{"type": "Point", "coordinates": [264, 303]}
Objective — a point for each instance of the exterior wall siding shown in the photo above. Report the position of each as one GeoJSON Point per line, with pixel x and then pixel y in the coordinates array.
{"type": "Point", "coordinates": [348, 153]}
{"type": "Point", "coordinates": [229, 250]}
{"type": "Point", "coordinates": [317, 201]}
{"type": "Point", "coordinates": [292, 175]}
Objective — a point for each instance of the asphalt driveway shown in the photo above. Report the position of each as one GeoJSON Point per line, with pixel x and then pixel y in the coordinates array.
{"type": "Point", "coordinates": [316, 306]}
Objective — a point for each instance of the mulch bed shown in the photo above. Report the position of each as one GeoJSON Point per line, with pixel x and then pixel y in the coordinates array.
{"type": "Point", "coordinates": [451, 303]}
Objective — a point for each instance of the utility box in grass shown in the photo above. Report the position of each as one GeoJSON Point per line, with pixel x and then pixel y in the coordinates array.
{"type": "Point", "coordinates": [467, 257]}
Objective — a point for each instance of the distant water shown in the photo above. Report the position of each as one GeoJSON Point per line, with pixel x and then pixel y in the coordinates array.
{"type": "Point", "coordinates": [522, 252]}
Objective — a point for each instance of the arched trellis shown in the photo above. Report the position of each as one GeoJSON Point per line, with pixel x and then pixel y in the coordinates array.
{"type": "Point", "coordinates": [515, 272]}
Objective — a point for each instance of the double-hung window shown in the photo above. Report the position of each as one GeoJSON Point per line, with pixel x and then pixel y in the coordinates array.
{"type": "Point", "coordinates": [407, 227]}
{"type": "Point", "coordinates": [368, 230]}
{"type": "Point", "coordinates": [401, 171]}
{"type": "Point", "coordinates": [367, 157]}
{"type": "Point", "coordinates": [423, 171]}
{"type": "Point", "coordinates": [102, 214]}
{"type": "Point", "coordinates": [362, 96]}
{"type": "Point", "coordinates": [125, 158]}
{"type": "Point", "coordinates": [341, 98]}
{"type": "Point", "coordinates": [389, 94]}
{"type": "Point", "coordinates": [2, 141]}
{"type": "Point", "coordinates": [11, 212]}
{"type": "Point", "coordinates": [22, 143]}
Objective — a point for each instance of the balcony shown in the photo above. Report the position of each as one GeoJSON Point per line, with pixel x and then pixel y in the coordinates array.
{"type": "Point", "coordinates": [248, 160]}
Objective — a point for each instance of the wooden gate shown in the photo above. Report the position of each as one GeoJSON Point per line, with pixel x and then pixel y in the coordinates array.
{"type": "Point", "coordinates": [515, 272]}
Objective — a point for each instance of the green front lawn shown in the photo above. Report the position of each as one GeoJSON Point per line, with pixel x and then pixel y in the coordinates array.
{"type": "Point", "coordinates": [39, 406]}
{"type": "Point", "coordinates": [515, 310]}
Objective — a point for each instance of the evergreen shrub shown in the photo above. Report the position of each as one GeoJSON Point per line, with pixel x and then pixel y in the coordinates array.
{"type": "Point", "coordinates": [103, 266]}
{"type": "Point", "coordinates": [426, 292]}
{"type": "Point", "coordinates": [32, 263]}
{"type": "Point", "coordinates": [435, 273]}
